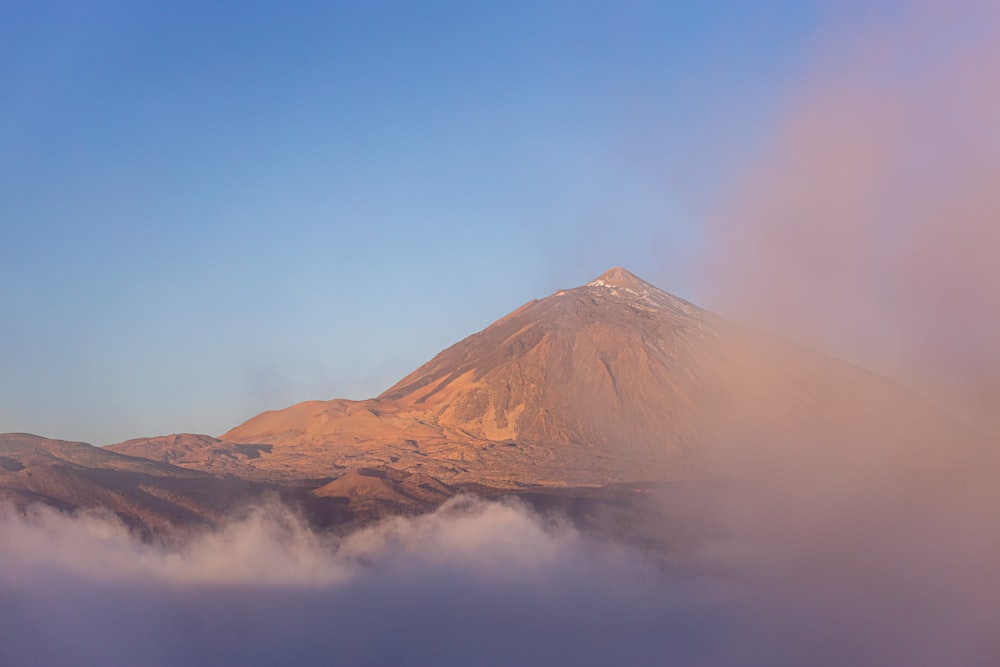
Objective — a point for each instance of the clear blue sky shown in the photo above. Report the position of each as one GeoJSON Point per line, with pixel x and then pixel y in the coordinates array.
{"type": "Point", "coordinates": [212, 209]}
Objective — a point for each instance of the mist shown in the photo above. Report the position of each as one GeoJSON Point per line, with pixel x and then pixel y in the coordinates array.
{"type": "Point", "coordinates": [868, 222]}
{"type": "Point", "coordinates": [867, 226]}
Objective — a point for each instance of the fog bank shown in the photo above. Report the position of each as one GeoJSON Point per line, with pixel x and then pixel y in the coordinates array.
{"type": "Point", "coordinates": [474, 583]}
{"type": "Point", "coordinates": [495, 584]}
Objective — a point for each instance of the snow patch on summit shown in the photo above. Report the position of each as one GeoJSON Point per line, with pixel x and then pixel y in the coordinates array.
{"type": "Point", "coordinates": [642, 296]}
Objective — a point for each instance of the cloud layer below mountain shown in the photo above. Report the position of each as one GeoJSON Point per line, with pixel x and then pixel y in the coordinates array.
{"type": "Point", "coordinates": [474, 583]}
{"type": "Point", "coordinates": [494, 584]}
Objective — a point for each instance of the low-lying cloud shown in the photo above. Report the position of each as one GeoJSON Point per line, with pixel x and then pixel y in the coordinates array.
{"type": "Point", "coordinates": [493, 583]}
{"type": "Point", "coordinates": [473, 583]}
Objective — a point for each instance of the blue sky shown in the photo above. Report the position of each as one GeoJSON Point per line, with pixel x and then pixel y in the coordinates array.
{"type": "Point", "coordinates": [212, 209]}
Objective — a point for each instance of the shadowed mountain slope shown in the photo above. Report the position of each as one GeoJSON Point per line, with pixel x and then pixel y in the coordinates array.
{"type": "Point", "coordinates": [75, 475]}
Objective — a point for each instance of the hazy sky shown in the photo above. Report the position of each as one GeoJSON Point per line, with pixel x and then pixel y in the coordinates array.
{"type": "Point", "coordinates": [208, 211]}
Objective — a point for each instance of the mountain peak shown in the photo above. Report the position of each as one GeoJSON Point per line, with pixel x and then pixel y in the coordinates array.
{"type": "Point", "coordinates": [621, 278]}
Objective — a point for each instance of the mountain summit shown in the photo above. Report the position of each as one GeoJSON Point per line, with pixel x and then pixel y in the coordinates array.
{"type": "Point", "coordinates": [621, 278]}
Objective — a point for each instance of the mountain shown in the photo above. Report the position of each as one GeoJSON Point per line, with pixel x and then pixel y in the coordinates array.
{"type": "Point", "coordinates": [607, 401]}
{"type": "Point", "coordinates": [615, 381]}
{"type": "Point", "coordinates": [143, 493]}
{"type": "Point", "coordinates": [590, 385]}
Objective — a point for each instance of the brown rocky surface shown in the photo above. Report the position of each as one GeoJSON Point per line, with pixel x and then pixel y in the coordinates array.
{"type": "Point", "coordinates": [202, 452]}
{"type": "Point", "coordinates": [376, 492]}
